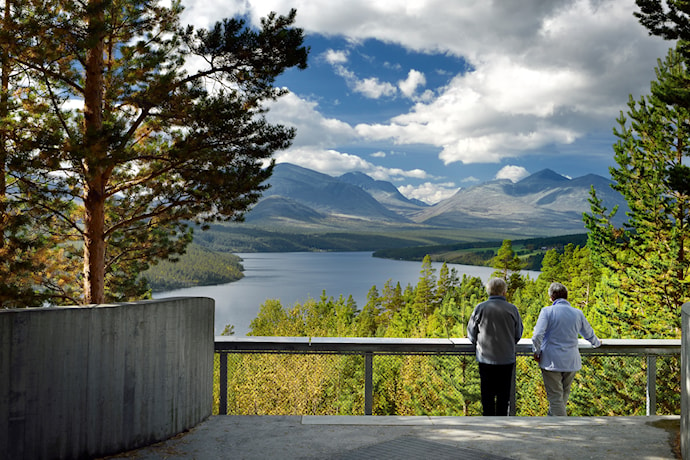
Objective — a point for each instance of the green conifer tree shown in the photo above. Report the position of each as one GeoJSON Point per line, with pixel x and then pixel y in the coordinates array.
{"type": "Point", "coordinates": [368, 320]}
{"type": "Point", "coordinates": [646, 257]}
{"type": "Point", "coordinates": [508, 266]}
{"type": "Point", "coordinates": [425, 292]}
{"type": "Point", "coordinates": [145, 145]}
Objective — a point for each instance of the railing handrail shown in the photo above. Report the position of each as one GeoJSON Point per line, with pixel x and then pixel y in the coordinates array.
{"type": "Point", "coordinates": [370, 346]}
{"type": "Point", "coordinates": [461, 345]}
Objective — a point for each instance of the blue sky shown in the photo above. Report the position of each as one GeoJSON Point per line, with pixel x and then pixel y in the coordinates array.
{"type": "Point", "coordinates": [435, 95]}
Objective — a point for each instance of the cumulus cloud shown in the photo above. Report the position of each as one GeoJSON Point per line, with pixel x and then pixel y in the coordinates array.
{"type": "Point", "coordinates": [539, 74]}
{"type": "Point", "coordinates": [313, 129]}
{"type": "Point", "coordinates": [329, 162]}
{"type": "Point", "coordinates": [335, 163]}
{"type": "Point", "coordinates": [373, 87]}
{"type": "Point", "coordinates": [543, 72]}
{"type": "Point", "coordinates": [370, 87]}
{"type": "Point", "coordinates": [335, 57]}
{"type": "Point", "coordinates": [414, 80]}
{"type": "Point", "coordinates": [428, 192]}
{"type": "Point", "coordinates": [316, 133]}
{"type": "Point", "coordinates": [514, 173]}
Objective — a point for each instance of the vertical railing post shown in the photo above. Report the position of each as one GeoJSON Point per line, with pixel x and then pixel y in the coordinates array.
{"type": "Point", "coordinates": [684, 383]}
{"type": "Point", "coordinates": [511, 408]}
{"type": "Point", "coordinates": [651, 385]}
{"type": "Point", "coordinates": [223, 384]}
{"type": "Point", "coordinates": [368, 383]}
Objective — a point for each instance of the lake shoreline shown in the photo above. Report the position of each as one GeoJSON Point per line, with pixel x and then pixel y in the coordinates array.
{"type": "Point", "coordinates": [172, 287]}
{"type": "Point", "coordinates": [295, 277]}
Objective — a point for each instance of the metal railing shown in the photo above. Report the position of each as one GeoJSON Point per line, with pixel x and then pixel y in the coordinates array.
{"type": "Point", "coordinates": [370, 347]}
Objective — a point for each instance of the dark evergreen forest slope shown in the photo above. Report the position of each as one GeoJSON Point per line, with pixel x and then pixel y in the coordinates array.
{"type": "Point", "coordinates": [197, 267]}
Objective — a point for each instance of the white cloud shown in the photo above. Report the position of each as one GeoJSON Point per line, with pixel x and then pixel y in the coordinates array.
{"type": "Point", "coordinates": [329, 162]}
{"type": "Point", "coordinates": [335, 163]}
{"type": "Point", "coordinates": [543, 72]}
{"type": "Point", "coordinates": [334, 57]}
{"type": "Point", "coordinates": [391, 173]}
{"type": "Point", "coordinates": [514, 173]}
{"type": "Point", "coordinates": [313, 129]}
{"type": "Point", "coordinates": [414, 80]}
{"type": "Point", "coordinates": [373, 88]}
{"type": "Point", "coordinates": [316, 133]}
{"type": "Point", "coordinates": [429, 192]}
{"type": "Point", "coordinates": [208, 12]}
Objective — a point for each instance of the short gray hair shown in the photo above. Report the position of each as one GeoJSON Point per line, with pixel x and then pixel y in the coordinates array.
{"type": "Point", "coordinates": [496, 286]}
{"type": "Point", "coordinates": [558, 291]}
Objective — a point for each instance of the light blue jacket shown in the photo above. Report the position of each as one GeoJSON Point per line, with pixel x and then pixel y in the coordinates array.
{"type": "Point", "coordinates": [494, 328]}
{"type": "Point", "coordinates": [555, 337]}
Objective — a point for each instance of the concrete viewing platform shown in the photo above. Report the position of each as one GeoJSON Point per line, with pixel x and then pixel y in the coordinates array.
{"type": "Point", "coordinates": [420, 437]}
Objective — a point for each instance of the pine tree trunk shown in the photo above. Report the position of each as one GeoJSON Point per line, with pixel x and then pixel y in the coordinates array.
{"type": "Point", "coordinates": [94, 161]}
{"type": "Point", "coordinates": [4, 87]}
{"type": "Point", "coordinates": [94, 247]}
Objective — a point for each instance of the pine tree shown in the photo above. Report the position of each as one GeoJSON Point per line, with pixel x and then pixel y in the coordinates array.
{"type": "Point", "coordinates": [669, 19]}
{"type": "Point", "coordinates": [647, 256]}
{"type": "Point", "coordinates": [34, 267]}
{"type": "Point", "coordinates": [368, 320]}
{"type": "Point", "coordinates": [151, 146]}
{"type": "Point", "coordinates": [391, 297]}
{"type": "Point", "coordinates": [447, 280]}
{"type": "Point", "coordinates": [425, 292]}
{"type": "Point", "coordinates": [508, 266]}
{"type": "Point", "coordinates": [551, 268]}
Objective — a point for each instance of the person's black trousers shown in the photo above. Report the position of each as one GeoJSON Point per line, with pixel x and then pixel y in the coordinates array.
{"type": "Point", "coordinates": [496, 381]}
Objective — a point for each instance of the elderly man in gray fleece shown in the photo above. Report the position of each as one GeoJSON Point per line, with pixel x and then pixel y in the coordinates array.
{"type": "Point", "coordinates": [495, 327]}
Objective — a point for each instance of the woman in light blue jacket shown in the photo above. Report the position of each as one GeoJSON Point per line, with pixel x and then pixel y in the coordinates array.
{"type": "Point", "coordinates": [555, 346]}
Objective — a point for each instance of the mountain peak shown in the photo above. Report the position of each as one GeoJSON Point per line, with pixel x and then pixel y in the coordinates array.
{"type": "Point", "coordinates": [544, 175]}
{"type": "Point", "coordinates": [357, 178]}
{"type": "Point", "coordinates": [541, 180]}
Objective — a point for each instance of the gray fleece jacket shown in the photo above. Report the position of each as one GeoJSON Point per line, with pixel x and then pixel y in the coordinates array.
{"type": "Point", "coordinates": [495, 327]}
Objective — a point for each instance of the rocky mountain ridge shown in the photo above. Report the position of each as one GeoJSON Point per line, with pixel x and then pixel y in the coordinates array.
{"type": "Point", "coordinates": [540, 204]}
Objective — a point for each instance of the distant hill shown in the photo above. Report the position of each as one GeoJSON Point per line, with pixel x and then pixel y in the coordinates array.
{"type": "Point", "coordinates": [545, 203]}
{"type": "Point", "coordinates": [277, 208]}
{"type": "Point", "coordinates": [303, 188]}
{"type": "Point", "coordinates": [385, 193]}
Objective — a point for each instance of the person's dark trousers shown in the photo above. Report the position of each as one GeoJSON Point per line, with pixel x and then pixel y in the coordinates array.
{"type": "Point", "coordinates": [496, 381]}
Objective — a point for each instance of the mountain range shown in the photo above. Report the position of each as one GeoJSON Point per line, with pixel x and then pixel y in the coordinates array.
{"type": "Point", "coordinates": [544, 203]}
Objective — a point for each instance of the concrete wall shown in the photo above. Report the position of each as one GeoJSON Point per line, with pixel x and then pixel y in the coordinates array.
{"type": "Point", "coordinates": [83, 382]}
{"type": "Point", "coordinates": [685, 383]}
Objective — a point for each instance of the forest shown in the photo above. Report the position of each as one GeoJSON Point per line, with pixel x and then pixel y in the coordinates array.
{"type": "Point", "coordinates": [439, 306]}
{"type": "Point", "coordinates": [629, 280]}
{"type": "Point", "coordinates": [531, 251]}
{"type": "Point", "coordinates": [197, 267]}
{"type": "Point", "coordinates": [96, 192]}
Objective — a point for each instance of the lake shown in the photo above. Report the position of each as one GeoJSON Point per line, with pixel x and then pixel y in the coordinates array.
{"type": "Point", "coordinates": [294, 277]}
